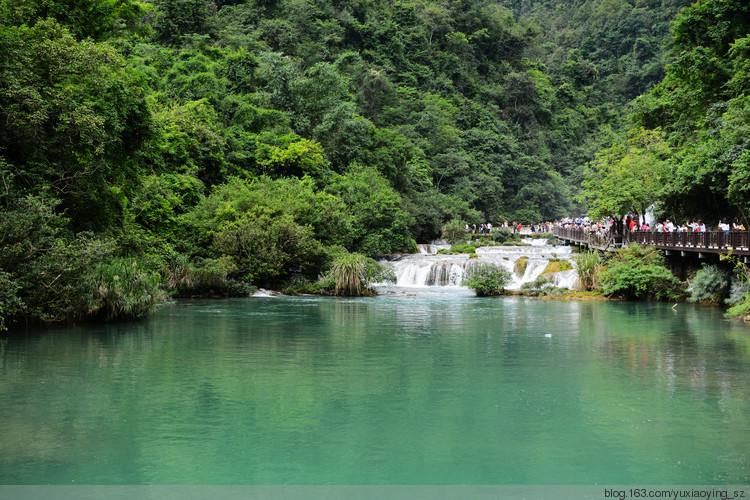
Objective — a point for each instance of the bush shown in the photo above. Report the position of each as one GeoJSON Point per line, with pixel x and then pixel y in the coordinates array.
{"type": "Point", "coordinates": [711, 283]}
{"type": "Point", "coordinates": [297, 285]}
{"type": "Point", "coordinates": [120, 289]}
{"type": "Point", "coordinates": [639, 272]}
{"type": "Point", "coordinates": [463, 248]}
{"type": "Point", "coordinates": [264, 248]}
{"type": "Point", "coordinates": [455, 230]}
{"type": "Point", "coordinates": [540, 282]}
{"type": "Point", "coordinates": [541, 286]}
{"type": "Point", "coordinates": [588, 267]}
{"type": "Point", "coordinates": [502, 235]}
{"type": "Point", "coordinates": [741, 309]}
{"type": "Point", "coordinates": [209, 278]}
{"type": "Point", "coordinates": [10, 303]}
{"type": "Point", "coordinates": [740, 291]}
{"type": "Point", "coordinates": [487, 280]}
{"type": "Point", "coordinates": [737, 292]}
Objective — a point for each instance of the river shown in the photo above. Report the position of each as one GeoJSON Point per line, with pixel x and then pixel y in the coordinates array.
{"type": "Point", "coordinates": [415, 386]}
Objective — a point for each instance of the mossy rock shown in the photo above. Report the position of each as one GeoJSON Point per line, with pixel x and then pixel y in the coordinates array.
{"type": "Point", "coordinates": [557, 265]}
{"type": "Point", "coordinates": [521, 264]}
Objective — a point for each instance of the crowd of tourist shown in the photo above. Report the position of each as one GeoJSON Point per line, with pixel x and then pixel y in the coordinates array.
{"type": "Point", "coordinates": [516, 227]}
{"type": "Point", "coordinates": [602, 227]}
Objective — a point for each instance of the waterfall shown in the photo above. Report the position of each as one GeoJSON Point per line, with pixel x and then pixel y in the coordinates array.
{"type": "Point", "coordinates": [429, 268]}
{"type": "Point", "coordinates": [431, 248]}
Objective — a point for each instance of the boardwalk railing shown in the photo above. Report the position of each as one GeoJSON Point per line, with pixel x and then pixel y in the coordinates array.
{"type": "Point", "coordinates": [735, 242]}
{"type": "Point", "coordinates": [591, 240]}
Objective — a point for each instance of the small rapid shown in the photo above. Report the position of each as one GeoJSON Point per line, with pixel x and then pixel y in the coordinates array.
{"type": "Point", "coordinates": [525, 262]}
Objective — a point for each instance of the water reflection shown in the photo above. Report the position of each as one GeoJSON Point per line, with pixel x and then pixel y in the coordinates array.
{"type": "Point", "coordinates": [405, 388]}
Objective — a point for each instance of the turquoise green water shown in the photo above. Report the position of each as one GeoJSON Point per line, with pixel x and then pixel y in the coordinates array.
{"type": "Point", "coordinates": [433, 388]}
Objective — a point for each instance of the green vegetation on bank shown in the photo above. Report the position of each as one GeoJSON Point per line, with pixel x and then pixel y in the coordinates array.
{"type": "Point", "coordinates": [232, 144]}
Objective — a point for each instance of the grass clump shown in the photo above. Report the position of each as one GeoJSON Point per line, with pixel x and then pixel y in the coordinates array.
{"type": "Point", "coordinates": [351, 275]}
{"type": "Point", "coordinates": [120, 289]}
{"type": "Point", "coordinates": [588, 267]}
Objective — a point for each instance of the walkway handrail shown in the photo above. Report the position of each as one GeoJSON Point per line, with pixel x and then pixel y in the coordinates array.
{"type": "Point", "coordinates": [736, 242]}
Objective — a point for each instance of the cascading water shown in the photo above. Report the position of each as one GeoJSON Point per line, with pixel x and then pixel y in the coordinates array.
{"type": "Point", "coordinates": [432, 248]}
{"type": "Point", "coordinates": [428, 268]}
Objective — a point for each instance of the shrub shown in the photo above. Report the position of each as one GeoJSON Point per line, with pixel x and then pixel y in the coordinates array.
{"type": "Point", "coordinates": [541, 286]}
{"type": "Point", "coordinates": [44, 262]}
{"type": "Point", "coordinates": [502, 235]}
{"type": "Point", "coordinates": [454, 230]}
{"type": "Point", "coordinates": [265, 247]}
{"type": "Point", "coordinates": [296, 285]}
{"type": "Point", "coordinates": [588, 267]}
{"type": "Point", "coordinates": [120, 289]}
{"type": "Point", "coordinates": [737, 292]}
{"type": "Point", "coordinates": [639, 272]}
{"type": "Point", "coordinates": [711, 283]}
{"type": "Point", "coordinates": [10, 303]}
{"type": "Point", "coordinates": [741, 279]}
{"type": "Point", "coordinates": [487, 280]}
{"type": "Point", "coordinates": [463, 248]}
{"type": "Point", "coordinates": [741, 309]}
{"type": "Point", "coordinates": [208, 278]}
{"type": "Point", "coordinates": [540, 282]}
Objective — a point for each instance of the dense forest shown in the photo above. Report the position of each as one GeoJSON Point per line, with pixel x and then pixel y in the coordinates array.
{"type": "Point", "coordinates": [206, 146]}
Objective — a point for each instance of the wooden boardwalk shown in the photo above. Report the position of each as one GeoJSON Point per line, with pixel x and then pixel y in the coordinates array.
{"type": "Point", "coordinates": [674, 243]}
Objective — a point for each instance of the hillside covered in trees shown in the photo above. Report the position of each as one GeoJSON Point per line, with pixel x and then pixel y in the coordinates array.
{"type": "Point", "coordinates": [203, 146]}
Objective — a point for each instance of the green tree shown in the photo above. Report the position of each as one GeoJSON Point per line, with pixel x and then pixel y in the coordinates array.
{"type": "Point", "coordinates": [628, 177]}
{"type": "Point", "coordinates": [95, 19]}
{"type": "Point", "coordinates": [379, 222]}
{"type": "Point", "coordinates": [265, 247]}
{"type": "Point", "coordinates": [71, 120]}
{"type": "Point", "coordinates": [177, 18]}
